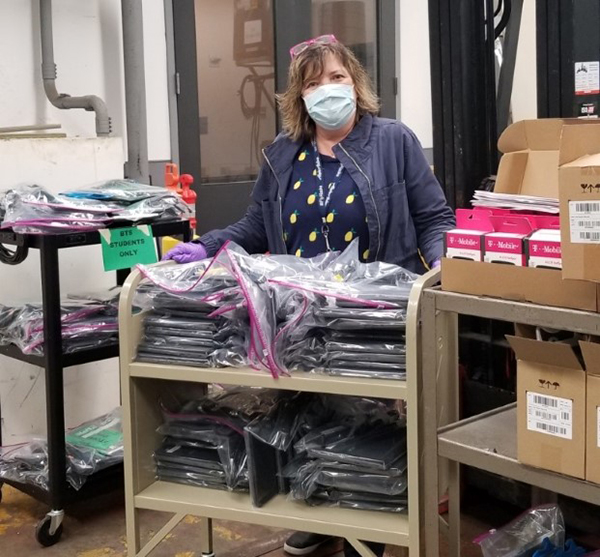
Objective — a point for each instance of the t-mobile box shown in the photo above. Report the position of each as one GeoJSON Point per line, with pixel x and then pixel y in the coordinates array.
{"type": "Point", "coordinates": [466, 240]}
{"type": "Point", "coordinates": [506, 245]}
{"type": "Point", "coordinates": [543, 249]}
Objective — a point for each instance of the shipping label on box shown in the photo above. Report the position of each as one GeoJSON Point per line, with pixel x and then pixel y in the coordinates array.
{"type": "Point", "coordinates": [584, 221]}
{"type": "Point", "coordinates": [550, 415]}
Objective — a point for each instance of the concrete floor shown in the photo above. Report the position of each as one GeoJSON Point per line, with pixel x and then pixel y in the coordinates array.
{"type": "Point", "coordinates": [96, 528]}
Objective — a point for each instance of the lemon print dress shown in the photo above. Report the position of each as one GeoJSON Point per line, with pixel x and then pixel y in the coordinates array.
{"type": "Point", "coordinates": [302, 214]}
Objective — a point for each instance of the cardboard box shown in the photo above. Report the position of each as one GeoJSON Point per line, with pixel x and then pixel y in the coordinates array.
{"type": "Point", "coordinates": [543, 249]}
{"type": "Point", "coordinates": [591, 355]}
{"type": "Point", "coordinates": [523, 284]}
{"type": "Point", "coordinates": [529, 166]}
{"type": "Point", "coordinates": [551, 402]}
{"type": "Point", "coordinates": [592, 463]}
{"type": "Point", "coordinates": [580, 200]}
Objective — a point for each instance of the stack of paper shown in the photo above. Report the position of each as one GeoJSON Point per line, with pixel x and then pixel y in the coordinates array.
{"type": "Point", "coordinates": [515, 202]}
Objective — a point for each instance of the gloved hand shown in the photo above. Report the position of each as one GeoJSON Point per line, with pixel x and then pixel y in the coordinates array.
{"type": "Point", "coordinates": [186, 253]}
{"type": "Point", "coordinates": [436, 264]}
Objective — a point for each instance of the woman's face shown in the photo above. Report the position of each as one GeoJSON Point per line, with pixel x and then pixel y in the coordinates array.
{"type": "Point", "coordinates": [333, 72]}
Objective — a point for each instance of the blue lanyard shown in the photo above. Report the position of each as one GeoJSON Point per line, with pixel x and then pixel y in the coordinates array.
{"type": "Point", "coordinates": [324, 201]}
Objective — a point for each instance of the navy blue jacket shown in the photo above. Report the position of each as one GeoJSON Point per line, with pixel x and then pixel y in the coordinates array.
{"type": "Point", "coordinates": [405, 205]}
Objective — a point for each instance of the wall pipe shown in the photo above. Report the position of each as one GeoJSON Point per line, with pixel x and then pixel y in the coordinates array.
{"type": "Point", "coordinates": [135, 91]}
{"type": "Point", "coordinates": [61, 100]}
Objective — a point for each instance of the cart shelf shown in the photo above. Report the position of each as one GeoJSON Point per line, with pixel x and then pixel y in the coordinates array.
{"type": "Point", "coordinates": [489, 442]}
{"type": "Point", "coordinates": [68, 360]}
{"type": "Point", "coordinates": [210, 503]}
{"type": "Point", "coordinates": [248, 377]}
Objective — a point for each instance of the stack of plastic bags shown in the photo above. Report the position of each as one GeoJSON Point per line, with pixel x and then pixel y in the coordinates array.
{"type": "Point", "coordinates": [321, 449]}
{"type": "Point", "coordinates": [34, 210]}
{"type": "Point", "coordinates": [184, 329]}
{"type": "Point", "coordinates": [203, 441]}
{"type": "Point", "coordinates": [331, 314]}
{"type": "Point", "coordinates": [87, 322]}
{"type": "Point", "coordinates": [91, 447]}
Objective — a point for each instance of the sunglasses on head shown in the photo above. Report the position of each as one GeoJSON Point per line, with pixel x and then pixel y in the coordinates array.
{"type": "Point", "coordinates": [301, 47]}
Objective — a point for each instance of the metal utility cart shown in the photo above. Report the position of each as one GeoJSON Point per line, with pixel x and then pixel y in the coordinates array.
{"type": "Point", "coordinates": [488, 441]}
{"type": "Point", "coordinates": [141, 385]}
{"type": "Point", "coordinates": [60, 493]}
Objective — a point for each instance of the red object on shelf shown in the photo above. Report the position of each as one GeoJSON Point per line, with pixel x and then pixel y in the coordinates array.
{"type": "Point", "coordinates": [182, 185]}
{"type": "Point", "coordinates": [189, 196]}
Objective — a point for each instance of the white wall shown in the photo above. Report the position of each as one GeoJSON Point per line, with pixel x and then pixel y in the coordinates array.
{"type": "Point", "coordinates": [90, 390]}
{"type": "Point", "coordinates": [88, 54]}
{"type": "Point", "coordinates": [415, 79]}
{"type": "Point", "coordinates": [524, 97]}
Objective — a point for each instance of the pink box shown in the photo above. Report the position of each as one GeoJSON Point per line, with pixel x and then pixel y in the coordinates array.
{"type": "Point", "coordinates": [467, 239]}
{"type": "Point", "coordinates": [506, 244]}
{"type": "Point", "coordinates": [543, 249]}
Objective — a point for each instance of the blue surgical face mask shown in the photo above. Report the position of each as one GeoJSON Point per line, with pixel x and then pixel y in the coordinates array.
{"type": "Point", "coordinates": [331, 106]}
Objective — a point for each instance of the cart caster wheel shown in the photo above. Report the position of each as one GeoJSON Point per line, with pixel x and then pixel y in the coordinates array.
{"type": "Point", "coordinates": [43, 535]}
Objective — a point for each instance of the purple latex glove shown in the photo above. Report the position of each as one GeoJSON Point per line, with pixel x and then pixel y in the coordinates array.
{"type": "Point", "coordinates": [436, 264]}
{"type": "Point", "coordinates": [186, 253]}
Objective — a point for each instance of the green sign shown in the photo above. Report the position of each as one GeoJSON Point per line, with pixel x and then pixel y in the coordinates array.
{"type": "Point", "coordinates": [122, 248]}
{"type": "Point", "coordinates": [104, 440]}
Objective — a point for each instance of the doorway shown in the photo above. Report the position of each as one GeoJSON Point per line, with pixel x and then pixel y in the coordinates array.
{"type": "Point", "coordinates": [231, 57]}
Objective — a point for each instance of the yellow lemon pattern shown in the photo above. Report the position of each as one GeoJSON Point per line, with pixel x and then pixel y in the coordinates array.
{"type": "Point", "coordinates": [310, 229]}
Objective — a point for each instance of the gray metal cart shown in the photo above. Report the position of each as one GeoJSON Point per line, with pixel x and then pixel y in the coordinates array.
{"type": "Point", "coordinates": [487, 441]}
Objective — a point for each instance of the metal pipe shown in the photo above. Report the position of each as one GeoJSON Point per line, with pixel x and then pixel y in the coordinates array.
{"type": "Point", "coordinates": [135, 91]}
{"type": "Point", "coordinates": [34, 127]}
{"type": "Point", "coordinates": [61, 100]}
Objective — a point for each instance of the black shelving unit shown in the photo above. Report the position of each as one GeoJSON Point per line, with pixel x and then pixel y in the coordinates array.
{"type": "Point", "coordinates": [53, 361]}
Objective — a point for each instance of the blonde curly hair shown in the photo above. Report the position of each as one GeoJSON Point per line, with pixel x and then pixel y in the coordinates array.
{"type": "Point", "coordinates": [309, 64]}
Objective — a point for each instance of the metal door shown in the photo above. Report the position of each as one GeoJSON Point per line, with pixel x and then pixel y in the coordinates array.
{"type": "Point", "coordinates": [231, 57]}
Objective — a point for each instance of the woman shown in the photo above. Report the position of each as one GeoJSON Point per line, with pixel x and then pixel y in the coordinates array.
{"type": "Point", "coordinates": [336, 173]}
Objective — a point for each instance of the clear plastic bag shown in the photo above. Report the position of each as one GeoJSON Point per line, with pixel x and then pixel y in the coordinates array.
{"type": "Point", "coordinates": [283, 300]}
{"type": "Point", "coordinates": [522, 536]}
{"type": "Point", "coordinates": [86, 324]}
{"type": "Point", "coordinates": [91, 447]}
{"type": "Point", "coordinates": [213, 423]}
{"type": "Point", "coordinates": [34, 210]}
{"type": "Point", "coordinates": [350, 500]}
